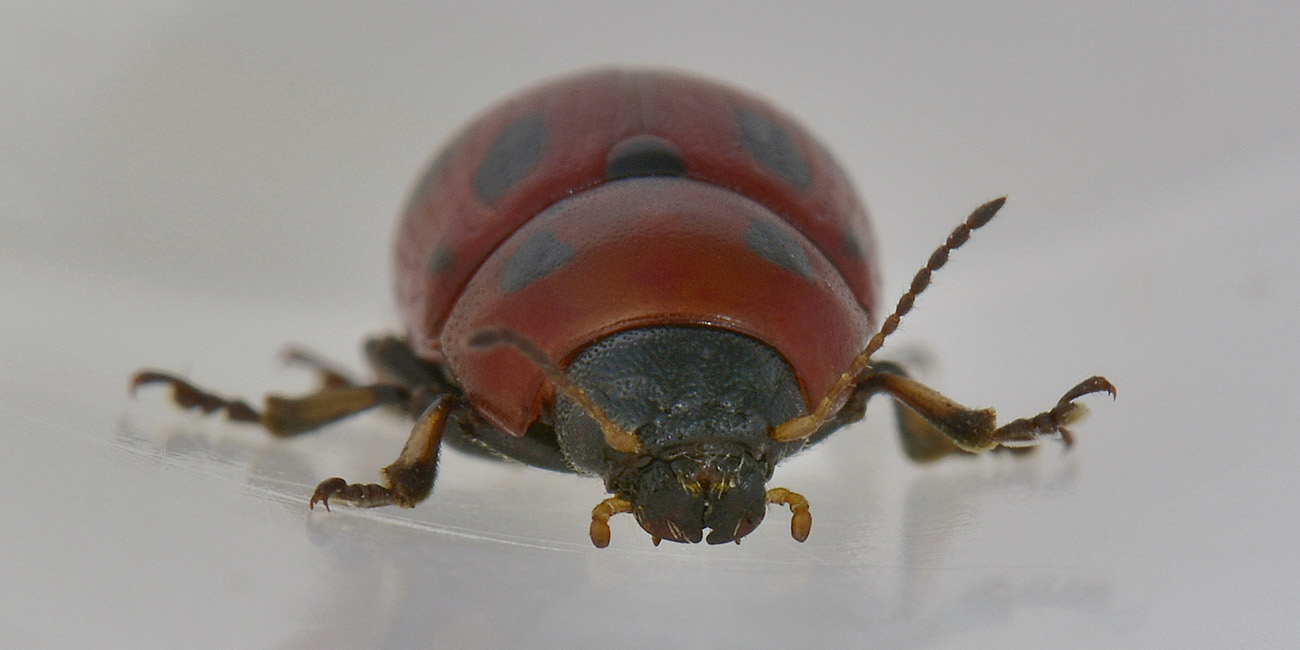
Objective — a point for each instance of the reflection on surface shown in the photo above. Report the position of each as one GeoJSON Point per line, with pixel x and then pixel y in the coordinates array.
{"type": "Point", "coordinates": [499, 558]}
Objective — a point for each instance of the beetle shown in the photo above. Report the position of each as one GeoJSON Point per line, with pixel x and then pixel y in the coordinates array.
{"type": "Point", "coordinates": [647, 277]}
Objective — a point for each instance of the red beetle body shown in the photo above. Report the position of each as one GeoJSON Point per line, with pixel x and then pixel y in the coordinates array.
{"type": "Point", "coordinates": [642, 198]}
{"type": "Point", "coordinates": [650, 278]}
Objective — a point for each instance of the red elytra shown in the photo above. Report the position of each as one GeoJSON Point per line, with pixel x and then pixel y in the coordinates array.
{"type": "Point", "coordinates": [648, 277]}
{"type": "Point", "coordinates": [695, 265]}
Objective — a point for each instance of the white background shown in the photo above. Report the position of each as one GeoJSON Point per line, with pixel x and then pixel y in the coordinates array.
{"type": "Point", "coordinates": [190, 185]}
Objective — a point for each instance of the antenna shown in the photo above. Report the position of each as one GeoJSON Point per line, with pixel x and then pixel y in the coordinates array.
{"type": "Point", "coordinates": [805, 426]}
{"type": "Point", "coordinates": [616, 437]}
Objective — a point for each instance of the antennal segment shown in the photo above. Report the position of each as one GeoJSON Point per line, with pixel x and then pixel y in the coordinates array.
{"type": "Point", "coordinates": [807, 425]}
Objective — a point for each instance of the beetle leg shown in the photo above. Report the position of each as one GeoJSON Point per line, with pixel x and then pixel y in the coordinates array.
{"type": "Point", "coordinates": [282, 416]}
{"type": "Point", "coordinates": [409, 479]}
{"type": "Point", "coordinates": [851, 381]}
{"type": "Point", "coordinates": [921, 441]}
{"type": "Point", "coordinates": [391, 358]}
{"type": "Point", "coordinates": [331, 376]}
{"type": "Point", "coordinates": [976, 430]}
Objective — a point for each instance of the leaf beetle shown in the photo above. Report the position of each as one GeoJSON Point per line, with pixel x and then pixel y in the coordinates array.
{"type": "Point", "coordinates": [647, 277]}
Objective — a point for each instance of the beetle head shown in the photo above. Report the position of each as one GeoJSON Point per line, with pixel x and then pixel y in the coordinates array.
{"type": "Point", "coordinates": [677, 498]}
{"type": "Point", "coordinates": [698, 405]}
{"type": "Point", "coordinates": [677, 495]}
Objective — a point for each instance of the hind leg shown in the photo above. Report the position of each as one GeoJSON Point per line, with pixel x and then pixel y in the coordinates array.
{"type": "Point", "coordinates": [330, 375]}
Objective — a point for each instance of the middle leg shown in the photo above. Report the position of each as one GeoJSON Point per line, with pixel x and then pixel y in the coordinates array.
{"type": "Point", "coordinates": [282, 416]}
{"type": "Point", "coordinates": [976, 430]}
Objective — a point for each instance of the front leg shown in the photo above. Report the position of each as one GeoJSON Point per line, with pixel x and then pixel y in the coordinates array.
{"type": "Point", "coordinates": [410, 478]}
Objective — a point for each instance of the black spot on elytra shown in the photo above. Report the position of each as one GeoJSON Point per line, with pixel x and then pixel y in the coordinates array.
{"type": "Point", "coordinates": [778, 247]}
{"type": "Point", "coordinates": [539, 256]}
{"type": "Point", "coordinates": [643, 155]}
{"type": "Point", "coordinates": [773, 147]}
{"type": "Point", "coordinates": [431, 175]}
{"type": "Point", "coordinates": [441, 259]}
{"type": "Point", "coordinates": [852, 246]}
{"type": "Point", "coordinates": [509, 159]}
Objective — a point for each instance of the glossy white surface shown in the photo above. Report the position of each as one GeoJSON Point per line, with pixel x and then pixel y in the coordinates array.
{"type": "Point", "coordinates": [191, 185]}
